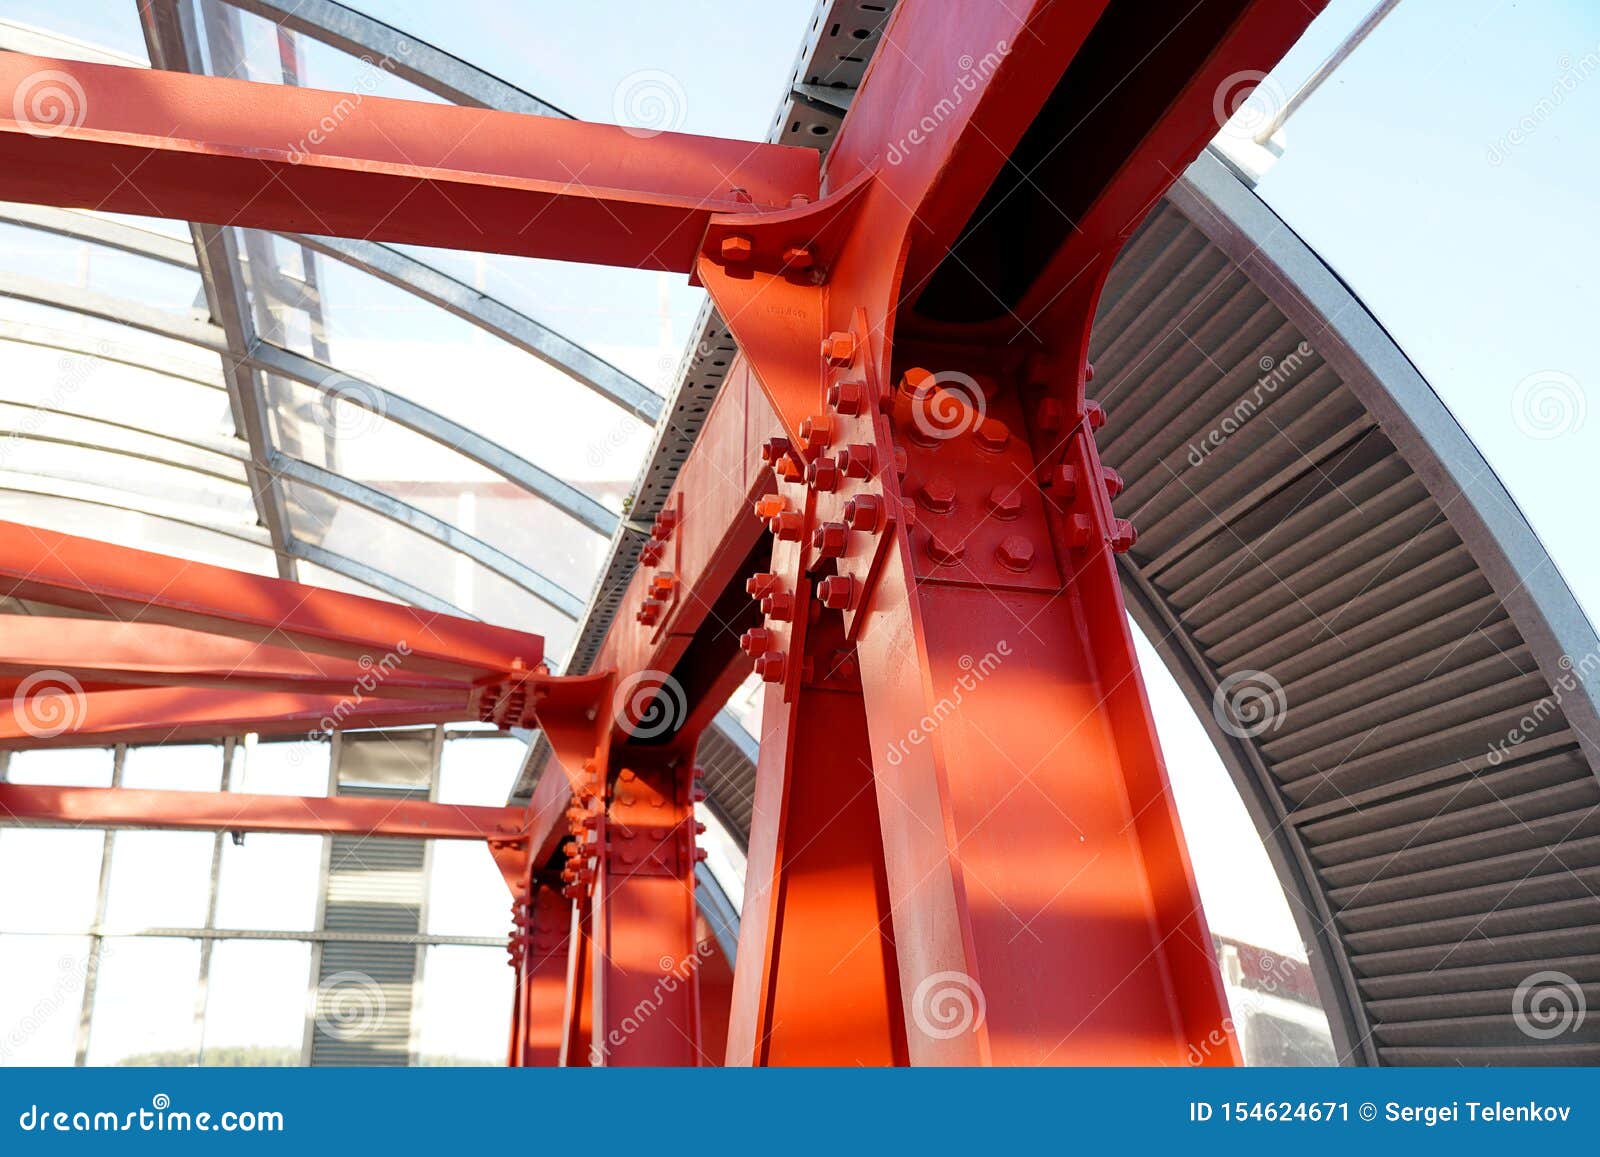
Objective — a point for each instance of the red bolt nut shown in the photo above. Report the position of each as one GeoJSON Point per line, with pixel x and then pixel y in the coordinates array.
{"type": "Point", "coordinates": [650, 553]}
{"type": "Point", "coordinates": [1079, 531]}
{"type": "Point", "coordinates": [774, 449]}
{"type": "Point", "coordinates": [816, 431]}
{"type": "Point", "coordinates": [649, 612]}
{"type": "Point", "coordinates": [1088, 371]}
{"type": "Point", "coordinates": [1095, 413]}
{"type": "Point", "coordinates": [662, 585]}
{"type": "Point", "coordinates": [858, 460]}
{"type": "Point", "coordinates": [864, 512]}
{"type": "Point", "coordinates": [839, 347]}
{"type": "Point", "coordinates": [798, 257]}
{"type": "Point", "coordinates": [787, 526]}
{"type": "Point", "coordinates": [1065, 483]}
{"type": "Point", "coordinates": [736, 248]}
{"type": "Point", "coordinates": [937, 494]}
{"type": "Point", "coordinates": [1004, 502]}
{"type": "Point", "coordinates": [823, 474]}
{"type": "Point", "coordinates": [1015, 553]}
{"type": "Point", "coordinates": [848, 397]}
{"type": "Point", "coordinates": [837, 592]}
{"type": "Point", "coordinates": [945, 552]}
{"type": "Point", "coordinates": [770, 506]}
{"type": "Point", "coordinates": [756, 641]}
{"type": "Point", "coordinates": [992, 434]}
{"type": "Point", "coordinates": [1123, 536]}
{"type": "Point", "coordinates": [759, 585]}
{"type": "Point", "coordinates": [778, 605]}
{"type": "Point", "coordinates": [769, 667]}
{"type": "Point", "coordinates": [1113, 481]}
{"type": "Point", "coordinates": [831, 539]}
{"type": "Point", "coordinates": [915, 382]}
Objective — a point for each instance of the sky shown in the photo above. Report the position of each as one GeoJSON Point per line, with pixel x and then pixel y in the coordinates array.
{"type": "Point", "coordinates": [1446, 172]}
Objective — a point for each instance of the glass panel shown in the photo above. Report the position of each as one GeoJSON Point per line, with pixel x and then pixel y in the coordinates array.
{"type": "Point", "coordinates": [107, 24]}
{"type": "Point", "coordinates": [465, 995]}
{"type": "Point", "coordinates": [431, 476]}
{"type": "Point", "coordinates": [37, 375]}
{"type": "Point", "coordinates": [62, 767]}
{"type": "Point", "coordinates": [425, 563]}
{"type": "Point", "coordinates": [50, 317]}
{"type": "Point", "coordinates": [723, 855]}
{"type": "Point", "coordinates": [140, 531]}
{"type": "Point", "coordinates": [41, 1000]}
{"type": "Point", "coordinates": [480, 771]}
{"type": "Point", "coordinates": [466, 894]}
{"type": "Point", "coordinates": [270, 883]}
{"type": "Point", "coordinates": [35, 444]}
{"type": "Point", "coordinates": [386, 335]}
{"type": "Point", "coordinates": [176, 767]}
{"type": "Point", "coordinates": [159, 880]}
{"type": "Point", "coordinates": [65, 866]}
{"type": "Point", "coordinates": [313, 575]}
{"type": "Point", "coordinates": [144, 1003]}
{"type": "Point", "coordinates": [120, 480]}
{"type": "Point", "coordinates": [256, 1003]}
{"type": "Point", "coordinates": [286, 767]}
{"type": "Point", "coordinates": [112, 272]}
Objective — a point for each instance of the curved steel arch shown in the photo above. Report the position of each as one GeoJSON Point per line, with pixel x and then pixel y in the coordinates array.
{"type": "Point", "coordinates": [81, 345]}
{"type": "Point", "coordinates": [67, 490]}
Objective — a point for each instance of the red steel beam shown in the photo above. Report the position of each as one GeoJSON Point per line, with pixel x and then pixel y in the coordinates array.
{"type": "Point", "coordinates": [140, 654]}
{"type": "Point", "coordinates": [233, 152]}
{"type": "Point", "coordinates": [67, 571]}
{"type": "Point", "coordinates": [97, 807]}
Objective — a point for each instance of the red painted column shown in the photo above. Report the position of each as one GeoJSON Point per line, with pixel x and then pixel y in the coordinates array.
{"type": "Point", "coordinates": [816, 980]}
{"type": "Point", "coordinates": [542, 976]}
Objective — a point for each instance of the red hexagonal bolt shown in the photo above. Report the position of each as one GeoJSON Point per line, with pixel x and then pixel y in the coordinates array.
{"type": "Point", "coordinates": [736, 248]}
{"type": "Point", "coordinates": [650, 612]}
{"type": "Point", "coordinates": [1095, 413]}
{"type": "Point", "coordinates": [1113, 481]}
{"type": "Point", "coordinates": [831, 539]}
{"type": "Point", "coordinates": [778, 605]}
{"type": "Point", "coordinates": [837, 592]}
{"type": "Point", "coordinates": [770, 667]}
{"type": "Point", "coordinates": [991, 434]}
{"type": "Point", "coordinates": [1004, 502]}
{"type": "Point", "coordinates": [787, 526]}
{"type": "Point", "coordinates": [839, 347]}
{"type": "Point", "coordinates": [1088, 371]}
{"type": "Point", "coordinates": [775, 448]}
{"type": "Point", "coordinates": [915, 381]}
{"type": "Point", "coordinates": [1079, 531]}
{"type": "Point", "coordinates": [1123, 536]}
{"type": "Point", "coordinates": [937, 494]}
{"type": "Point", "coordinates": [756, 641]}
{"type": "Point", "coordinates": [662, 585]}
{"type": "Point", "coordinates": [1015, 552]}
{"type": "Point", "coordinates": [761, 584]}
{"type": "Point", "coordinates": [864, 512]}
{"type": "Point", "coordinates": [770, 506]}
{"type": "Point", "coordinates": [1065, 483]}
{"type": "Point", "coordinates": [816, 431]}
{"type": "Point", "coordinates": [798, 257]}
{"type": "Point", "coordinates": [823, 474]}
{"type": "Point", "coordinates": [858, 460]}
{"type": "Point", "coordinates": [848, 397]}
{"type": "Point", "coordinates": [666, 522]}
{"type": "Point", "coordinates": [945, 552]}
{"type": "Point", "coordinates": [650, 553]}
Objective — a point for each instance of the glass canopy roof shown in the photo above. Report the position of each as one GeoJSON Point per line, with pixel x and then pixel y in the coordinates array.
{"type": "Point", "coordinates": [456, 430]}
